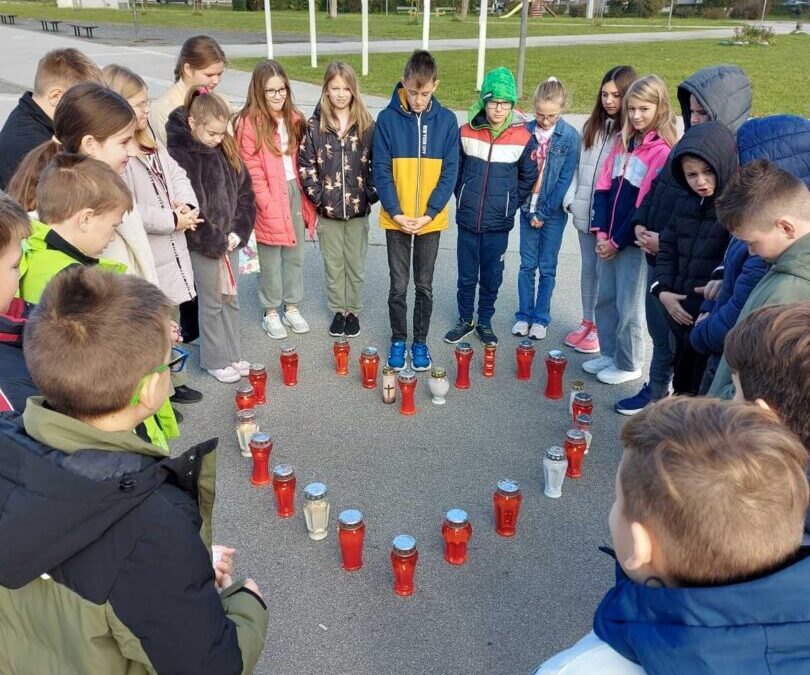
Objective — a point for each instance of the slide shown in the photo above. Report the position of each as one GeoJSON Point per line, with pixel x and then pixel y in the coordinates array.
{"type": "Point", "coordinates": [516, 9]}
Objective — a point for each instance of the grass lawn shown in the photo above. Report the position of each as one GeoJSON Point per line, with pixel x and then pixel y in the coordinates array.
{"type": "Point", "coordinates": [780, 84]}
{"type": "Point", "coordinates": [380, 27]}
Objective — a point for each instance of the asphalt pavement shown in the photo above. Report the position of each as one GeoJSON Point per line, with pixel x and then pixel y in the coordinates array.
{"type": "Point", "coordinates": [516, 601]}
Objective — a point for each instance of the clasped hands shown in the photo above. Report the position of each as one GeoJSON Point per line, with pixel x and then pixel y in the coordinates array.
{"type": "Point", "coordinates": [411, 225]}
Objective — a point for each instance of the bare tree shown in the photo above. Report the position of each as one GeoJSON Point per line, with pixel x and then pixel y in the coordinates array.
{"type": "Point", "coordinates": [333, 7]}
{"type": "Point", "coordinates": [465, 7]}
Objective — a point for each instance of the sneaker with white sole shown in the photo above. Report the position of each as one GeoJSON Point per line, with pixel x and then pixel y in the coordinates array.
{"type": "Point", "coordinates": [577, 335]}
{"type": "Point", "coordinates": [228, 375]}
{"type": "Point", "coordinates": [243, 367]}
{"type": "Point", "coordinates": [292, 318]}
{"type": "Point", "coordinates": [521, 328]}
{"type": "Point", "coordinates": [593, 366]}
{"type": "Point", "coordinates": [590, 343]}
{"type": "Point", "coordinates": [537, 331]}
{"type": "Point", "coordinates": [273, 327]}
{"type": "Point", "coordinates": [614, 375]}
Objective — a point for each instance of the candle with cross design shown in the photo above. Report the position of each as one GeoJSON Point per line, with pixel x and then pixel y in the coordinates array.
{"type": "Point", "coordinates": [389, 384]}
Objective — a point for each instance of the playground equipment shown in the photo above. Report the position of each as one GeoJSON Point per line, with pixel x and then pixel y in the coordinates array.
{"type": "Point", "coordinates": [536, 8]}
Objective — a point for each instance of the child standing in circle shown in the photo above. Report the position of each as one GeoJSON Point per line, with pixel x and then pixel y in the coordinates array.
{"type": "Point", "coordinates": [634, 161]}
{"type": "Point", "coordinates": [598, 134]}
{"type": "Point", "coordinates": [269, 131]}
{"type": "Point", "coordinates": [200, 142]}
{"type": "Point", "coordinates": [334, 165]}
{"type": "Point", "coordinates": [543, 218]}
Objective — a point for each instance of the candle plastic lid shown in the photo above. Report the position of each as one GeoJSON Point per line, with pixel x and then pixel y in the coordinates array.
{"type": "Point", "coordinates": [350, 518]}
{"type": "Point", "coordinates": [556, 355]}
{"type": "Point", "coordinates": [407, 375]}
{"type": "Point", "coordinates": [260, 438]}
{"type": "Point", "coordinates": [575, 435]}
{"type": "Point", "coordinates": [404, 543]}
{"type": "Point", "coordinates": [314, 491]}
{"type": "Point", "coordinates": [457, 517]}
{"type": "Point", "coordinates": [555, 453]}
{"type": "Point", "coordinates": [577, 385]}
{"type": "Point", "coordinates": [508, 486]}
{"type": "Point", "coordinates": [583, 397]}
{"type": "Point", "coordinates": [582, 418]}
{"type": "Point", "coordinates": [245, 415]}
{"type": "Point", "coordinates": [526, 344]}
{"type": "Point", "coordinates": [342, 340]}
{"type": "Point", "coordinates": [245, 388]}
{"type": "Point", "coordinates": [257, 366]}
{"type": "Point", "coordinates": [438, 371]}
{"type": "Point", "coordinates": [370, 351]}
{"type": "Point", "coordinates": [463, 347]}
{"type": "Point", "coordinates": [283, 471]}
{"type": "Point", "coordinates": [287, 349]}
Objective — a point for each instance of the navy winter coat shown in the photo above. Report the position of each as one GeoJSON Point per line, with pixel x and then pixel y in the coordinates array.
{"type": "Point", "coordinates": [781, 139]}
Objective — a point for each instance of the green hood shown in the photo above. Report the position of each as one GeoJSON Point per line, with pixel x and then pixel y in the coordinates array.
{"type": "Point", "coordinates": [499, 84]}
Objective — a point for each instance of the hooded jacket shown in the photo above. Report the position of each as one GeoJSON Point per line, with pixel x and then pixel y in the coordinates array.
{"type": "Point", "coordinates": [756, 627]}
{"type": "Point", "coordinates": [781, 139]}
{"type": "Point", "coordinates": [225, 196]}
{"type": "Point", "coordinates": [26, 127]}
{"type": "Point", "coordinates": [694, 242]}
{"type": "Point", "coordinates": [16, 384]}
{"type": "Point", "coordinates": [496, 172]}
{"type": "Point", "coordinates": [335, 173]}
{"type": "Point", "coordinates": [107, 558]}
{"type": "Point", "coordinates": [415, 161]}
{"type": "Point", "coordinates": [724, 91]}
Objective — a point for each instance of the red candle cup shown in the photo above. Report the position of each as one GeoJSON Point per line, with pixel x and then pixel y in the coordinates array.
{"type": "Point", "coordinates": [584, 423]}
{"type": "Point", "coordinates": [407, 387]}
{"type": "Point", "coordinates": [369, 365]}
{"type": "Point", "coordinates": [524, 354]}
{"type": "Point", "coordinates": [456, 530]}
{"type": "Point", "coordinates": [261, 445]}
{"type": "Point", "coordinates": [582, 405]}
{"type": "Point", "coordinates": [341, 350]}
{"type": "Point", "coordinates": [258, 380]}
{"type": "Point", "coordinates": [245, 397]}
{"type": "Point", "coordinates": [351, 532]}
{"type": "Point", "coordinates": [555, 367]}
{"type": "Point", "coordinates": [488, 367]}
{"type": "Point", "coordinates": [289, 365]}
{"type": "Point", "coordinates": [507, 500]}
{"type": "Point", "coordinates": [403, 559]}
{"type": "Point", "coordinates": [284, 489]}
{"type": "Point", "coordinates": [463, 353]}
{"type": "Point", "coordinates": [575, 448]}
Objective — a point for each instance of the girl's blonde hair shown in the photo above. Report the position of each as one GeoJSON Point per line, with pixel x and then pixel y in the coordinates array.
{"type": "Point", "coordinates": [650, 89]}
{"type": "Point", "coordinates": [358, 113]}
{"type": "Point", "coordinates": [258, 111]}
{"type": "Point", "coordinates": [204, 105]}
{"type": "Point", "coordinates": [552, 90]}
{"type": "Point", "coordinates": [129, 85]}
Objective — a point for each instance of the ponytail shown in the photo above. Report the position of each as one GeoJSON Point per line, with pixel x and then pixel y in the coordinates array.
{"type": "Point", "coordinates": [203, 105]}
{"type": "Point", "coordinates": [23, 184]}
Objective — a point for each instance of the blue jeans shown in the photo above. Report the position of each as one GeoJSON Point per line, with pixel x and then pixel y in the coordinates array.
{"type": "Point", "coordinates": [663, 343]}
{"type": "Point", "coordinates": [539, 249]}
{"type": "Point", "coordinates": [480, 264]}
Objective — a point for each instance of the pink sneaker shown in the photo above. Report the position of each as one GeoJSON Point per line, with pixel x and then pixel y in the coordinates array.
{"type": "Point", "coordinates": [590, 343]}
{"type": "Point", "coordinates": [576, 336]}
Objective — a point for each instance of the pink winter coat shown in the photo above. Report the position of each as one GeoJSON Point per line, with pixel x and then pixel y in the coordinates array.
{"type": "Point", "coordinates": [274, 225]}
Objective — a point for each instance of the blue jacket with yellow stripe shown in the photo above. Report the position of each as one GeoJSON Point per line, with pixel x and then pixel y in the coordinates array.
{"type": "Point", "coordinates": [415, 161]}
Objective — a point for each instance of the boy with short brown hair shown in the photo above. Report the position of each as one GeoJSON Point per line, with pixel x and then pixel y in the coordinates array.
{"type": "Point", "coordinates": [31, 122]}
{"type": "Point", "coordinates": [125, 578]}
{"type": "Point", "coordinates": [707, 529]}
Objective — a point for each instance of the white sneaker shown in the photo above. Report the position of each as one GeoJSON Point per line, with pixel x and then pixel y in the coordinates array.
{"type": "Point", "coordinates": [273, 327]}
{"type": "Point", "coordinates": [614, 375]}
{"type": "Point", "coordinates": [520, 328]}
{"type": "Point", "coordinates": [593, 366]}
{"type": "Point", "coordinates": [243, 367]}
{"type": "Point", "coordinates": [292, 317]}
{"type": "Point", "coordinates": [228, 375]}
{"type": "Point", "coordinates": [537, 331]}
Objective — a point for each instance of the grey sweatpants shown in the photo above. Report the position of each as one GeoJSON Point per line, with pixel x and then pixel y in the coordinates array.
{"type": "Point", "coordinates": [344, 246]}
{"type": "Point", "coordinates": [588, 275]}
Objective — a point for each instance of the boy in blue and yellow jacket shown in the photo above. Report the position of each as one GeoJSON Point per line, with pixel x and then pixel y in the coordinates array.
{"type": "Point", "coordinates": [415, 163]}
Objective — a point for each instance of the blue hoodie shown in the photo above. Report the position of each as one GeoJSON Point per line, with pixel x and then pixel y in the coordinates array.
{"type": "Point", "coordinates": [756, 627]}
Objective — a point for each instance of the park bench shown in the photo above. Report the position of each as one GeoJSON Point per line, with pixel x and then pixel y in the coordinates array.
{"type": "Point", "coordinates": [8, 19]}
{"type": "Point", "coordinates": [50, 25]}
{"type": "Point", "coordinates": [413, 11]}
{"type": "Point", "coordinates": [78, 28]}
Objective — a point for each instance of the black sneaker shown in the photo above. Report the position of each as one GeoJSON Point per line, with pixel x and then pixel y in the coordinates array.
{"type": "Point", "coordinates": [184, 394]}
{"type": "Point", "coordinates": [178, 417]}
{"type": "Point", "coordinates": [338, 326]}
{"type": "Point", "coordinates": [352, 325]}
{"type": "Point", "coordinates": [461, 330]}
{"type": "Point", "coordinates": [486, 335]}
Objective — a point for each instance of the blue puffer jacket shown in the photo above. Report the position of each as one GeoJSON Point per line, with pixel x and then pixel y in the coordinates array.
{"type": "Point", "coordinates": [781, 139]}
{"type": "Point", "coordinates": [757, 627]}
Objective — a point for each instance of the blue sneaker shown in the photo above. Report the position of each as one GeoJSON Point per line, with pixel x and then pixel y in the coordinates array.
{"type": "Point", "coordinates": [396, 355]}
{"type": "Point", "coordinates": [634, 404]}
{"type": "Point", "coordinates": [420, 356]}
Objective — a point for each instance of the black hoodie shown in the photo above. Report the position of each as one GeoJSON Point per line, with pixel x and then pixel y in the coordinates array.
{"type": "Point", "coordinates": [694, 241]}
{"type": "Point", "coordinates": [26, 127]}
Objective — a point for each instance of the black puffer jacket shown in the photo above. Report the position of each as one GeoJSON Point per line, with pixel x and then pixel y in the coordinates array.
{"type": "Point", "coordinates": [336, 172]}
{"type": "Point", "coordinates": [694, 241]}
{"type": "Point", "coordinates": [27, 127]}
{"type": "Point", "coordinates": [725, 93]}
{"type": "Point", "coordinates": [225, 196]}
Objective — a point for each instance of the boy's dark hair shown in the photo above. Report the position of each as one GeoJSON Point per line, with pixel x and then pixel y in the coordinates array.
{"type": "Point", "coordinates": [64, 68]}
{"type": "Point", "coordinates": [754, 194]}
{"type": "Point", "coordinates": [14, 222]}
{"type": "Point", "coordinates": [721, 485]}
{"type": "Point", "coordinates": [769, 350]}
{"type": "Point", "coordinates": [93, 337]}
{"type": "Point", "coordinates": [421, 67]}
{"type": "Point", "coordinates": [72, 182]}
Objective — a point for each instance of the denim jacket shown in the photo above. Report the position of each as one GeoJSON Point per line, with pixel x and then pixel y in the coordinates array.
{"type": "Point", "coordinates": [558, 172]}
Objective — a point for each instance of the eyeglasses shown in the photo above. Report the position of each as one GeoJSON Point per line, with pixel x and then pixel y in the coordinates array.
{"type": "Point", "coordinates": [177, 361]}
{"type": "Point", "coordinates": [547, 118]}
{"type": "Point", "coordinates": [276, 93]}
{"type": "Point", "coordinates": [143, 106]}
{"type": "Point", "coordinates": [499, 105]}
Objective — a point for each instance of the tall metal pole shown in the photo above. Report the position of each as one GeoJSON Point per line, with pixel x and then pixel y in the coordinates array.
{"type": "Point", "coordinates": [313, 37]}
{"type": "Point", "coordinates": [364, 36]}
{"type": "Point", "coordinates": [589, 10]}
{"type": "Point", "coordinates": [426, 25]}
{"type": "Point", "coordinates": [482, 43]}
{"type": "Point", "coordinates": [671, 8]}
{"type": "Point", "coordinates": [764, 7]}
{"type": "Point", "coordinates": [268, 29]}
{"type": "Point", "coordinates": [524, 30]}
